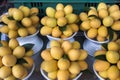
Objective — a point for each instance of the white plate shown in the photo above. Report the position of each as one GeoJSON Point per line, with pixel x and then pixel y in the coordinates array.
{"type": "Point", "coordinates": [97, 74]}
{"type": "Point", "coordinates": [30, 73]}
{"type": "Point", "coordinates": [44, 74]}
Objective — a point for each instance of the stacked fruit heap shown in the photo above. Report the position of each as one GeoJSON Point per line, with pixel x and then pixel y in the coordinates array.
{"type": "Point", "coordinates": [97, 22]}
{"type": "Point", "coordinates": [15, 60]}
{"type": "Point", "coordinates": [107, 63]}
{"type": "Point", "coordinates": [59, 22]}
{"type": "Point", "coordinates": [20, 22]}
{"type": "Point", "coordinates": [64, 60]}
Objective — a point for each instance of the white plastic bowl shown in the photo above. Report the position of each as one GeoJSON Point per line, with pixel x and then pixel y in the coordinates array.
{"type": "Point", "coordinates": [30, 73]}
{"type": "Point", "coordinates": [33, 39]}
{"type": "Point", "coordinates": [69, 38]}
{"type": "Point", "coordinates": [97, 74]}
{"type": "Point", "coordinates": [91, 45]}
{"type": "Point", "coordinates": [44, 74]}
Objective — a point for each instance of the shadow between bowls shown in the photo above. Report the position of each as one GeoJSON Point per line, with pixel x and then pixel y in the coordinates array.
{"type": "Point", "coordinates": [44, 74]}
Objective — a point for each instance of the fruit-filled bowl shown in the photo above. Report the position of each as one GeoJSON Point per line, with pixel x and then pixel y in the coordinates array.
{"type": "Point", "coordinates": [44, 74]}
{"type": "Point", "coordinates": [71, 38]}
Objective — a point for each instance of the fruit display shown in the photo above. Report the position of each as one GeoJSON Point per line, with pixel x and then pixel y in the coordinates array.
{"type": "Point", "coordinates": [107, 61]}
{"type": "Point", "coordinates": [63, 60]}
{"type": "Point", "coordinates": [20, 22]}
{"type": "Point", "coordinates": [98, 23]}
{"type": "Point", "coordinates": [59, 22]}
{"type": "Point", "coordinates": [15, 60]}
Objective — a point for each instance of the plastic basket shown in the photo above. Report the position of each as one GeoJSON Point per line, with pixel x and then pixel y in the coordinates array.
{"type": "Point", "coordinates": [78, 5]}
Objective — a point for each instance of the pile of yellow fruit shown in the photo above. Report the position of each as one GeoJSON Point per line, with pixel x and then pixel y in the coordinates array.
{"type": "Point", "coordinates": [59, 22]}
{"type": "Point", "coordinates": [15, 61]}
{"type": "Point", "coordinates": [97, 21]}
{"type": "Point", "coordinates": [20, 22]}
{"type": "Point", "coordinates": [109, 65]}
{"type": "Point", "coordinates": [64, 60]}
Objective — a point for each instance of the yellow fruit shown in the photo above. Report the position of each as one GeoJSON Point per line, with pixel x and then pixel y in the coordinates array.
{"type": "Point", "coordinates": [62, 21]}
{"type": "Point", "coordinates": [34, 11]}
{"type": "Point", "coordinates": [74, 54]}
{"type": "Point", "coordinates": [100, 65]}
{"type": "Point", "coordinates": [74, 27]}
{"type": "Point", "coordinates": [43, 20]}
{"type": "Point", "coordinates": [35, 19]}
{"type": "Point", "coordinates": [63, 75]}
{"type": "Point", "coordinates": [66, 45]}
{"type": "Point", "coordinates": [100, 38]}
{"type": "Point", "coordinates": [73, 76]}
{"type": "Point", "coordinates": [29, 63]}
{"type": "Point", "coordinates": [49, 66]}
{"type": "Point", "coordinates": [46, 55]}
{"type": "Point", "coordinates": [19, 51]}
{"type": "Point", "coordinates": [22, 32]}
{"type": "Point", "coordinates": [56, 52]}
{"type": "Point", "coordinates": [18, 14]}
{"type": "Point", "coordinates": [103, 13]}
{"type": "Point", "coordinates": [12, 34]}
{"type": "Point", "coordinates": [83, 65]}
{"type": "Point", "coordinates": [85, 25]}
{"type": "Point", "coordinates": [74, 68]}
{"type": "Point", "coordinates": [9, 60]}
{"type": "Point", "coordinates": [99, 52]}
{"type": "Point", "coordinates": [11, 77]}
{"type": "Point", "coordinates": [59, 6]}
{"type": "Point", "coordinates": [102, 31]}
{"type": "Point", "coordinates": [52, 22]}
{"type": "Point", "coordinates": [83, 54]}
{"type": "Point", "coordinates": [50, 12]}
{"type": "Point", "coordinates": [118, 41]}
{"type": "Point", "coordinates": [29, 53]}
{"type": "Point", "coordinates": [107, 21]}
{"type": "Point", "coordinates": [116, 26]}
{"type": "Point", "coordinates": [59, 13]}
{"type": "Point", "coordinates": [115, 15]}
{"type": "Point", "coordinates": [113, 46]}
{"type": "Point", "coordinates": [5, 72]}
{"type": "Point", "coordinates": [56, 32]}
{"type": "Point", "coordinates": [4, 43]}
{"type": "Point", "coordinates": [63, 64]}
{"type": "Point", "coordinates": [27, 22]}
{"type": "Point", "coordinates": [13, 43]}
{"type": "Point", "coordinates": [4, 29]}
{"type": "Point", "coordinates": [118, 64]}
{"type": "Point", "coordinates": [92, 33]}
{"type": "Point", "coordinates": [71, 18]}
{"type": "Point", "coordinates": [83, 16]}
{"type": "Point", "coordinates": [10, 11]}
{"type": "Point", "coordinates": [76, 45]}
{"type": "Point", "coordinates": [68, 32]}
{"type": "Point", "coordinates": [68, 9]}
{"type": "Point", "coordinates": [92, 12]}
{"type": "Point", "coordinates": [25, 74]}
{"type": "Point", "coordinates": [113, 72]}
{"type": "Point", "coordinates": [102, 5]}
{"type": "Point", "coordinates": [4, 19]}
{"type": "Point", "coordinates": [115, 36]}
{"type": "Point", "coordinates": [18, 71]}
{"type": "Point", "coordinates": [1, 61]}
{"type": "Point", "coordinates": [112, 56]}
{"type": "Point", "coordinates": [32, 30]}
{"type": "Point", "coordinates": [54, 43]}
{"type": "Point", "coordinates": [113, 8]}
{"type": "Point", "coordinates": [12, 25]}
{"type": "Point", "coordinates": [103, 74]}
{"type": "Point", "coordinates": [4, 50]}
{"type": "Point", "coordinates": [52, 75]}
{"type": "Point", "coordinates": [95, 23]}
{"type": "Point", "coordinates": [45, 30]}
{"type": "Point", "coordinates": [25, 10]}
